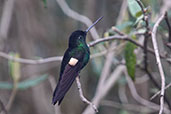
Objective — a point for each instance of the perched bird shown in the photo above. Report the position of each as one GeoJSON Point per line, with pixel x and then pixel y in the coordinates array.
{"type": "Point", "coordinates": [75, 58]}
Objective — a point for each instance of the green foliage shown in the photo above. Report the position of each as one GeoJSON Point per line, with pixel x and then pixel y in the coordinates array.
{"type": "Point", "coordinates": [130, 58]}
{"type": "Point", "coordinates": [136, 11]}
{"type": "Point", "coordinates": [125, 25]}
{"type": "Point", "coordinates": [24, 84]}
{"type": "Point", "coordinates": [123, 112]}
{"type": "Point", "coordinates": [138, 20]}
{"type": "Point", "coordinates": [134, 8]}
{"type": "Point", "coordinates": [14, 67]}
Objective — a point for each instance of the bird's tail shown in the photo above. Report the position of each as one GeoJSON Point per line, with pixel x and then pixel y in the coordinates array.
{"type": "Point", "coordinates": [67, 78]}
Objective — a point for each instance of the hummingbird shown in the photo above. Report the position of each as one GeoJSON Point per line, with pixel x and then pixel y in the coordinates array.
{"type": "Point", "coordinates": [74, 60]}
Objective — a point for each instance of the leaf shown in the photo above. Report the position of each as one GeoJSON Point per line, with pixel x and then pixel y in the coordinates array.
{"type": "Point", "coordinates": [141, 31]}
{"type": "Point", "coordinates": [138, 20]}
{"type": "Point", "coordinates": [124, 25]}
{"type": "Point", "coordinates": [123, 112]}
{"type": "Point", "coordinates": [24, 84]}
{"type": "Point", "coordinates": [130, 58]}
{"type": "Point", "coordinates": [6, 85]}
{"type": "Point", "coordinates": [14, 67]}
{"type": "Point", "coordinates": [138, 14]}
{"type": "Point", "coordinates": [106, 34]}
{"type": "Point", "coordinates": [134, 8]}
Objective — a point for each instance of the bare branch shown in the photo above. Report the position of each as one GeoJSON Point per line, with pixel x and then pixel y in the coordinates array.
{"type": "Point", "coordinates": [146, 35]}
{"type": "Point", "coordinates": [139, 99]}
{"type": "Point", "coordinates": [82, 96]}
{"type": "Point", "coordinates": [126, 38]}
{"type": "Point", "coordinates": [105, 88]}
{"type": "Point", "coordinates": [169, 85]}
{"type": "Point", "coordinates": [29, 61]}
{"type": "Point", "coordinates": [154, 30]}
{"type": "Point", "coordinates": [6, 20]}
{"type": "Point", "coordinates": [91, 44]}
{"type": "Point", "coordinates": [3, 109]}
{"type": "Point", "coordinates": [12, 97]}
{"type": "Point", "coordinates": [117, 31]}
{"type": "Point", "coordinates": [145, 16]}
{"type": "Point", "coordinates": [114, 37]}
{"type": "Point", "coordinates": [71, 13]}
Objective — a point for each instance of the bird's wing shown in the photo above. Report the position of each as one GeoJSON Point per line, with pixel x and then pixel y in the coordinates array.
{"type": "Point", "coordinates": [70, 72]}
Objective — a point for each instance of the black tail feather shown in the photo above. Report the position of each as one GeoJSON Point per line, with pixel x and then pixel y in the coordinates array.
{"type": "Point", "coordinates": [67, 78]}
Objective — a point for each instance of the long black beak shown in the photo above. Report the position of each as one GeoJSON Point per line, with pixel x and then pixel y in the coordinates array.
{"type": "Point", "coordinates": [94, 24]}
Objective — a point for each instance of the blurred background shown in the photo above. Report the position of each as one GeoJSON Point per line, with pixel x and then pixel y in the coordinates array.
{"type": "Point", "coordinates": [36, 29]}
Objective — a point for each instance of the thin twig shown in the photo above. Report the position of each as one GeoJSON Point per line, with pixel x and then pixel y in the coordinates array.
{"type": "Point", "coordinates": [154, 41]}
{"type": "Point", "coordinates": [99, 95]}
{"type": "Point", "coordinates": [145, 16]}
{"type": "Point", "coordinates": [126, 38]}
{"type": "Point", "coordinates": [169, 85]}
{"type": "Point", "coordinates": [158, 86]}
{"type": "Point", "coordinates": [114, 37]}
{"type": "Point", "coordinates": [146, 34]}
{"type": "Point", "coordinates": [139, 99]}
{"type": "Point", "coordinates": [29, 61]}
{"type": "Point", "coordinates": [6, 19]}
{"type": "Point", "coordinates": [117, 31]}
{"type": "Point", "coordinates": [150, 75]}
{"type": "Point", "coordinates": [12, 97]}
{"type": "Point", "coordinates": [82, 96]}
{"type": "Point", "coordinates": [3, 109]}
{"type": "Point", "coordinates": [146, 37]}
{"type": "Point", "coordinates": [91, 44]}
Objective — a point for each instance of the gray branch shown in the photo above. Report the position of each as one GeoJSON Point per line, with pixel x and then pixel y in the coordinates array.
{"type": "Point", "coordinates": [156, 50]}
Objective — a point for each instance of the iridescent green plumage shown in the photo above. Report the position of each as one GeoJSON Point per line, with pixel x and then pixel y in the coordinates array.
{"type": "Point", "coordinates": [79, 51]}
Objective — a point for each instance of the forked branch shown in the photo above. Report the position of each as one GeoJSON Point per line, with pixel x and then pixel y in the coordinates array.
{"type": "Point", "coordinates": [82, 96]}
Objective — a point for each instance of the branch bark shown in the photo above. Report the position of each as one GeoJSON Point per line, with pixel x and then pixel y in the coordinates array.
{"type": "Point", "coordinates": [91, 44]}
{"type": "Point", "coordinates": [169, 85]}
{"type": "Point", "coordinates": [107, 85]}
{"type": "Point", "coordinates": [3, 109]}
{"type": "Point", "coordinates": [154, 41]}
{"type": "Point", "coordinates": [6, 20]}
{"type": "Point", "coordinates": [82, 96]}
{"type": "Point", "coordinates": [139, 99]}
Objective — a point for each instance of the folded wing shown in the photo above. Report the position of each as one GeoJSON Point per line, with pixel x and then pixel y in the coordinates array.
{"type": "Point", "coordinates": [67, 78]}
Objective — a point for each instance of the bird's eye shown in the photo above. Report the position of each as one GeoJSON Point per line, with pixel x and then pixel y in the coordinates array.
{"type": "Point", "coordinates": [79, 37]}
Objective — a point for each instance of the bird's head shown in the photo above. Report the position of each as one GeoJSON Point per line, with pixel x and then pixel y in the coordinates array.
{"type": "Point", "coordinates": [79, 36]}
